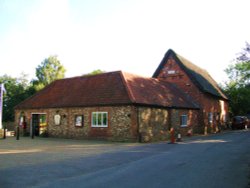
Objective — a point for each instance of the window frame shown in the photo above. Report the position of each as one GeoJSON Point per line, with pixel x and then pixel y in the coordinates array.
{"type": "Point", "coordinates": [184, 120]}
{"type": "Point", "coordinates": [97, 117]}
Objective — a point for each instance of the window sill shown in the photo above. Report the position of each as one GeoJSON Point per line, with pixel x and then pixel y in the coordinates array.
{"type": "Point", "coordinates": [95, 126]}
{"type": "Point", "coordinates": [183, 126]}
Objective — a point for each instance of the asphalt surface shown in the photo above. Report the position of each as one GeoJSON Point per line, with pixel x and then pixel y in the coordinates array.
{"type": "Point", "coordinates": [221, 160]}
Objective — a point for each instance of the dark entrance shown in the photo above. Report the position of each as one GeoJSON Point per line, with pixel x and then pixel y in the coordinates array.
{"type": "Point", "coordinates": [39, 123]}
{"type": "Point", "coordinates": [35, 124]}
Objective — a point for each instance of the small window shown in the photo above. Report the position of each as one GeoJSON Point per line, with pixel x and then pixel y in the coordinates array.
{"type": "Point", "coordinates": [99, 119]}
{"type": "Point", "coordinates": [184, 120]}
{"type": "Point", "coordinates": [210, 117]}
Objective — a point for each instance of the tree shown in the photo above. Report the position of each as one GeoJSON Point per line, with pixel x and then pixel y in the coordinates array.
{"type": "Point", "coordinates": [95, 72]}
{"type": "Point", "coordinates": [18, 89]}
{"type": "Point", "coordinates": [238, 87]}
{"type": "Point", "coordinates": [48, 71]}
{"type": "Point", "coordinates": [239, 72]}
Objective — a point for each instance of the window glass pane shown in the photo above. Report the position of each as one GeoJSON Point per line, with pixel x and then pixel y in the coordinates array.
{"type": "Point", "coordinates": [105, 118]}
{"type": "Point", "coordinates": [42, 119]}
{"type": "Point", "coordinates": [99, 119]}
{"type": "Point", "coordinates": [184, 120]}
{"type": "Point", "coordinates": [94, 118]}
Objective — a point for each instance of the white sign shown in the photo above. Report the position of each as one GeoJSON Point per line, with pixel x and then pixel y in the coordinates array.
{"type": "Point", "coordinates": [57, 119]}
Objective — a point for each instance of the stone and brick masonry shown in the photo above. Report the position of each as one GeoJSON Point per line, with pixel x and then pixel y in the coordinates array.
{"type": "Point", "coordinates": [125, 123]}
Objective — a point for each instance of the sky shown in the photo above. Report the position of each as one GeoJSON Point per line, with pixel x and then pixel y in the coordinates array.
{"type": "Point", "coordinates": [128, 35]}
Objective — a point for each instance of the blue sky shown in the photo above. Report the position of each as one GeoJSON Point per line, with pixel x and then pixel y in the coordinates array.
{"type": "Point", "coordinates": [128, 35]}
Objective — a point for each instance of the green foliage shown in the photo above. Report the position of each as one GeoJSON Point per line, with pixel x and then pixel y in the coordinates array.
{"type": "Point", "coordinates": [48, 71]}
{"type": "Point", "coordinates": [95, 72]}
{"type": "Point", "coordinates": [239, 73]}
{"type": "Point", "coordinates": [239, 99]}
{"type": "Point", "coordinates": [17, 89]}
{"type": "Point", "coordinates": [238, 87]}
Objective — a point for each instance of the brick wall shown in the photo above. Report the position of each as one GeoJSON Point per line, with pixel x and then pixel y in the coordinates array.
{"type": "Point", "coordinates": [180, 78]}
{"type": "Point", "coordinates": [192, 122]}
{"type": "Point", "coordinates": [219, 109]}
{"type": "Point", "coordinates": [207, 102]}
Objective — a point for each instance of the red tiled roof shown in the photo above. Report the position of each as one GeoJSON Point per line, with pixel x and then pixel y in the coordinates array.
{"type": "Point", "coordinates": [114, 88]}
{"type": "Point", "coordinates": [100, 89]}
{"type": "Point", "coordinates": [152, 91]}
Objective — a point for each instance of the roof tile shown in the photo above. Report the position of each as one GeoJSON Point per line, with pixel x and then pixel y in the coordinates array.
{"type": "Point", "coordinates": [114, 88]}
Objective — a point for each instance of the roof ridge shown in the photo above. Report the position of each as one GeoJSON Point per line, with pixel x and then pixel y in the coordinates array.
{"type": "Point", "coordinates": [187, 60]}
{"type": "Point", "coordinates": [133, 74]}
{"type": "Point", "coordinates": [90, 75]}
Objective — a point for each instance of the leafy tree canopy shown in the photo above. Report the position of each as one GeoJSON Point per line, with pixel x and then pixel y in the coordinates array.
{"type": "Point", "coordinates": [238, 87]}
{"type": "Point", "coordinates": [239, 72]}
{"type": "Point", "coordinates": [95, 72]}
{"type": "Point", "coordinates": [48, 71]}
{"type": "Point", "coordinates": [17, 89]}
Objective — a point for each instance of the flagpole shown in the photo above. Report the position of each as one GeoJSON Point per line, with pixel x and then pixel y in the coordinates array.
{"type": "Point", "coordinates": [1, 104]}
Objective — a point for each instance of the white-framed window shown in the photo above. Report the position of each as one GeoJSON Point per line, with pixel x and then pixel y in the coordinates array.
{"type": "Point", "coordinates": [184, 120]}
{"type": "Point", "coordinates": [210, 117]}
{"type": "Point", "coordinates": [99, 119]}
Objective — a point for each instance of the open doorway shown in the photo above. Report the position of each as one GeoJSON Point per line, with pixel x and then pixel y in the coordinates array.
{"type": "Point", "coordinates": [39, 124]}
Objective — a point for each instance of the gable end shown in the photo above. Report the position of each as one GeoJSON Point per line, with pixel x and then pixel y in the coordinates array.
{"type": "Point", "coordinates": [198, 76]}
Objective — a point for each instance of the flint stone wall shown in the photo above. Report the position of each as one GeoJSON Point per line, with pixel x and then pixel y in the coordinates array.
{"type": "Point", "coordinates": [121, 123]}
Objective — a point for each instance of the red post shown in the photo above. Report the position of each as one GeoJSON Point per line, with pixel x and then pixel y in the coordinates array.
{"type": "Point", "coordinates": [172, 138]}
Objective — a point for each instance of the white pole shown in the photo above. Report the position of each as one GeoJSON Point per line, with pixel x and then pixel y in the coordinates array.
{"type": "Point", "coordinates": [1, 105]}
{"type": "Point", "coordinates": [2, 89]}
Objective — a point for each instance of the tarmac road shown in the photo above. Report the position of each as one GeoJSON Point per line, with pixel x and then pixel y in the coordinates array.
{"type": "Point", "coordinates": [221, 160]}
